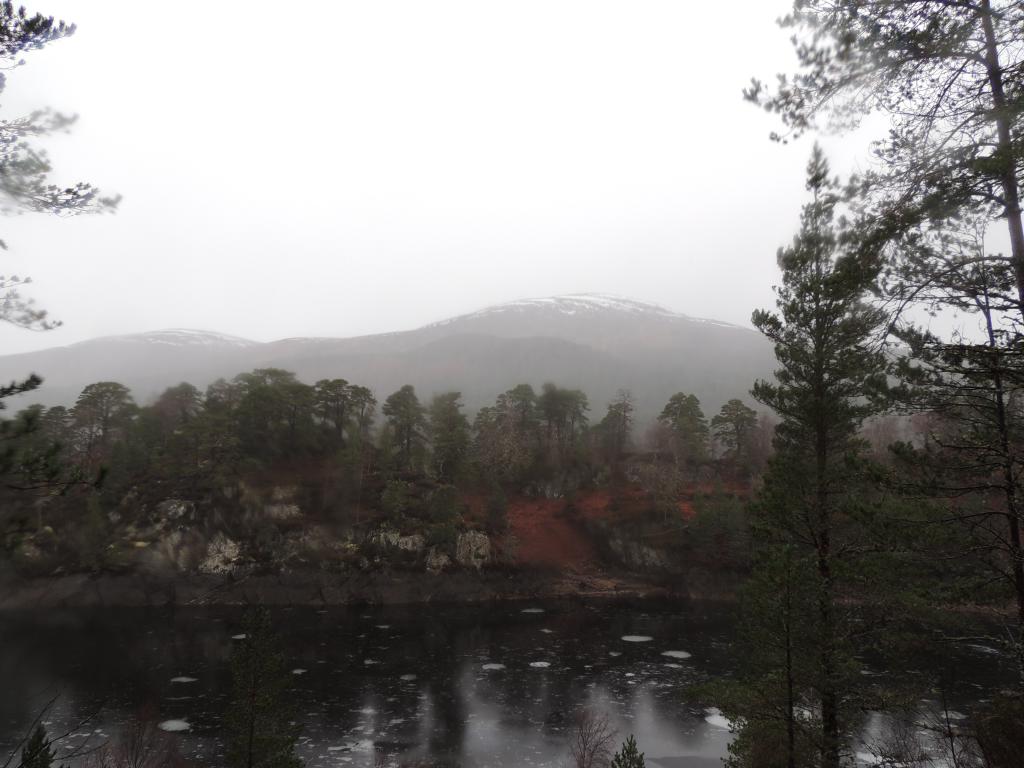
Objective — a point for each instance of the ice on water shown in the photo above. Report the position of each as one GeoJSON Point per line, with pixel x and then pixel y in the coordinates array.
{"type": "Point", "coordinates": [174, 726]}
{"type": "Point", "coordinates": [676, 654]}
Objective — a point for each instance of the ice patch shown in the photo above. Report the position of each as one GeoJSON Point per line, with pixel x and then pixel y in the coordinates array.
{"type": "Point", "coordinates": [407, 678]}
{"type": "Point", "coordinates": [532, 610]}
{"type": "Point", "coordinates": [183, 679]}
{"type": "Point", "coordinates": [614, 653]}
{"type": "Point", "coordinates": [637, 638]}
{"type": "Point", "coordinates": [174, 726]}
{"type": "Point", "coordinates": [369, 662]}
{"type": "Point", "coordinates": [676, 654]}
{"type": "Point", "coordinates": [715, 718]}
{"type": "Point", "coordinates": [674, 666]}
{"type": "Point", "coordinates": [547, 631]}
{"type": "Point", "coordinates": [299, 671]}
{"type": "Point", "coordinates": [383, 626]}
{"type": "Point", "coordinates": [502, 666]}
{"type": "Point", "coordinates": [238, 637]}
{"type": "Point", "coordinates": [540, 664]}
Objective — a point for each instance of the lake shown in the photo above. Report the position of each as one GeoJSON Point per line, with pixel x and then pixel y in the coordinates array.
{"type": "Point", "coordinates": [471, 685]}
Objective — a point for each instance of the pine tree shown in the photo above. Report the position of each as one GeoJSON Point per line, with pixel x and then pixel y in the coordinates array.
{"type": "Point", "coordinates": [262, 731]}
{"type": "Point", "coordinates": [970, 389]}
{"type": "Point", "coordinates": [25, 186]}
{"type": "Point", "coordinates": [772, 695]}
{"type": "Point", "coordinates": [629, 756]}
{"type": "Point", "coordinates": [948, 75]}
{"type": "Point", "coordinates": [617, 426]}
{"type": "Point", "coordinates": [407, 420]}
{"type": "Point", "coordinates": [831, 376]}
{"type": "Point", "coordinates": [37, 752]}
{"type": "Point", "coordinates": [449, 435]}
{"type": "Point", "coordinates": [689, 428]}
{"type": "Point", "coordinates": [733, 426]}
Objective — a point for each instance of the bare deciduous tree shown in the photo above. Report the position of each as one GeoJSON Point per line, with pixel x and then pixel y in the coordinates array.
{"type": "Point", "coordinates": [592, 740]}
{"type": "Point", "coordinates": [141, 745]}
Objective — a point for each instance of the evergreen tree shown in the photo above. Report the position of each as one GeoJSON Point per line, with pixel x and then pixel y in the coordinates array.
{"type": "Point", "coordinates": [449, 435]}
{"type": "Point", "coordinates": [685, 420]}
{"type": "Point", "coordinates": [563, 412]}
{"type": "Point", "coordinates": [25, 169]}
{"type": "Point", "coordinates": [406, 418]}
{"type": "Point", "coordinates": [520, 405]}
{"type": "Point", "coordinates": [629, 756]}
{"type": "Point", "coordinates": [260, 720]}
{"type": "Point", "coordinates": [972, 453]}
{"type": "Point", "coordinates": [102, 412]}
{"type": "Point", "coordinates": [25, 186]}
{"type": "Point", "coordinates": [274, 414]}
{"type": "Point", "coordinates": [816, 498]}
{"type": "Point", "coordinates": [332, 404]}
{"type": "Point", "coordinates": [948, 75]}
{"type": "Point", "coordinates": [363, 405]}
{"type": "Point", "coordinates": [773, 694]}
{"type": "Point", "coordinates": [617, 425]}
{"type": "Point", "coordinates": [38, 752]}
{"type": "Point", "coordinates": [506, 436]}
{"type": "Point", "coordinates": [733, 426]}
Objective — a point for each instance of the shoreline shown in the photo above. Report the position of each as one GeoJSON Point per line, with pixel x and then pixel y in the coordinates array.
{"type": "Point", "coordinates": [316, 588]}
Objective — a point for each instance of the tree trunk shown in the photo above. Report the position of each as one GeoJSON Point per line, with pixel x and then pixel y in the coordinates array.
{"type": "Point", "coordinates": [1010, 492]}
{"type": "Point", "coordinates": [829, 696]}
{"type": "Point", "coordinates": [790, 695]}
{"type": "Point", "coordinates": [1004, 148]}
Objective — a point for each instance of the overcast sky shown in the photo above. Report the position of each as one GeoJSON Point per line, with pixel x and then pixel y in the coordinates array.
{"type": "Point", "coordinates": [341, 168]}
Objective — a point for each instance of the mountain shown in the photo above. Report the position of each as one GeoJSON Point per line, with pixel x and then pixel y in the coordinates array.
{"type": "Point", "coordinates": [594, 342]}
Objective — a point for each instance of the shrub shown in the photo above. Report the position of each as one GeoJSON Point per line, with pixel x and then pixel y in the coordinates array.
{"type": "Point", "coordinates": [629, 756]}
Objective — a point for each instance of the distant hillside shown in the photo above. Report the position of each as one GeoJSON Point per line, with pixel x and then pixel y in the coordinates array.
{"type": "Point", "coordinates": [594, 342]}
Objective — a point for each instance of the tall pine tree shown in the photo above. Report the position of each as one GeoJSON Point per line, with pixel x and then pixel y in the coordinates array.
{"type": "Point", "coordinates": [260, 720]}
{"type": "Point", "coordinates": [813, 506]}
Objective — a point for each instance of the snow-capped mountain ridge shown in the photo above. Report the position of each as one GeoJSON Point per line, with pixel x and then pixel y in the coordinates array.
{"type": "Point", "coordinates": [177, 337]}
{"type": "Point", "coordinates": [599, 343]}
{"type": "Point", "coordinates": [582, 304]}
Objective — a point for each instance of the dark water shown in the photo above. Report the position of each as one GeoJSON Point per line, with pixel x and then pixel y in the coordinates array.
{"type": "Point", "coordinates": [401, 683]}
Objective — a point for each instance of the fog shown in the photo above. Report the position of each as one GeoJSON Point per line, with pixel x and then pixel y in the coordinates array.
{"type": "Point", "coordinates": [333, 169]}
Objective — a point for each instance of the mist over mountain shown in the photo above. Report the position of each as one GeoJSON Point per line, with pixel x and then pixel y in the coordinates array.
{"type": "Point", "coordinates": [596, 343]}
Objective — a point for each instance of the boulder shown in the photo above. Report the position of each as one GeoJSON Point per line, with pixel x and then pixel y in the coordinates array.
{"type": "Point", "coordinates": [178, 550]}
{"type": "Point", "coordinates": [472, 549]}
{"type": "Point", "coordinates": [413, 543]}
{"type": "Point", "coordinates": [437, 561]}
{"type": "Point", "coordinates": [175, 510]}
{"type": "Point", "coordinates": [221, 556]}
{"type": "Point", "coordinates": [641, 557]}
{"type": "Point", "coordinates": [384, 537]}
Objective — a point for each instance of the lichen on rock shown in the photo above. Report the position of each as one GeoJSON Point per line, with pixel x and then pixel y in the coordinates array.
{"type": "Point", "coordinates": [473, 549]}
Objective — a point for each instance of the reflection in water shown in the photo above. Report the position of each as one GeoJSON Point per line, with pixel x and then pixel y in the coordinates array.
{"type": "Point", "coordinates": [450, 683]}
